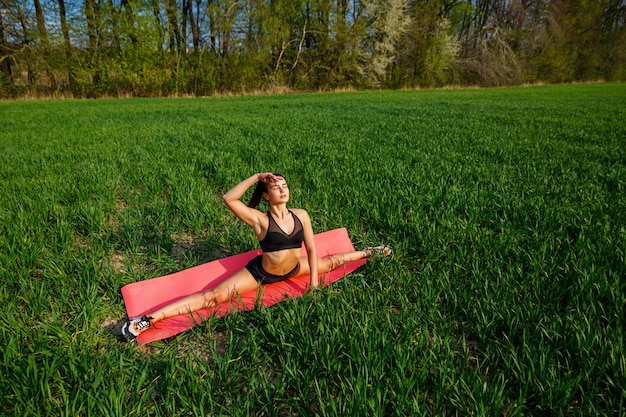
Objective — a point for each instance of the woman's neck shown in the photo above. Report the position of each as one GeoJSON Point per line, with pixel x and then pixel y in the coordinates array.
{"type": "Point", "coordinates": [279, 210]}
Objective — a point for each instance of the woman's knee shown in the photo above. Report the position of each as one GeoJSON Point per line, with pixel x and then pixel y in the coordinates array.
{"type": "Point", "coordinates": [213, 297]}
{"type": "Point", "coordinates": [333, 261]}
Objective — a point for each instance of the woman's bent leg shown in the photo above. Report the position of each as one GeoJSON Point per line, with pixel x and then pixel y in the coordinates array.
{"type": "Point", "coordinates": [239, 283]}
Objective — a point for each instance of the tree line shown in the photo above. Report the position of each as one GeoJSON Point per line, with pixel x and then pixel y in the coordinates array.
{"type": "Point", "coordinates": [95, 48]}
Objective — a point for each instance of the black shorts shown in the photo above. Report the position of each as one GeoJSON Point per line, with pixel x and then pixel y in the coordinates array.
{"type": "Point", "coordinates": [255, 267]}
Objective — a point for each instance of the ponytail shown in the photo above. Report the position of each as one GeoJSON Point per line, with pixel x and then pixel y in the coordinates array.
{"type": "Point", "coordinates": [257, 194]}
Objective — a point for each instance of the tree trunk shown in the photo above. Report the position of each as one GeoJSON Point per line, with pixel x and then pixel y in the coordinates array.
{"type": "Point", "coordinates": [195, 31]}
{"type": "Point", "coordinates": [41, 24]}
{"type": "Point", "coordinates": [5, 63]}
{"type": "Point", "coordinates": [183, 24]}
{"type": "Point", "coordinates": [92, 30]}
{"type": "Point", "coordinates": [173, 30]}
{"type": "Point", "coordinates": [115, 28]}
{"type": "Point", "coordinates": [130, 18]}
{"type": "Point", "coordinates": [156, 11]}
{"type": "Point", "coordinates": [45, 43]}
{"type": "Point", "coordinates": [68, 46]}
{"type": "Point", "coordinates": [27, 59]}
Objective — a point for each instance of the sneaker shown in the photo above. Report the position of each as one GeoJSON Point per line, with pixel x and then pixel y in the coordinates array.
{"type": "Point", "coordinates": [133, 327]}
{"type": "Point", "coordinates": [382, 250]}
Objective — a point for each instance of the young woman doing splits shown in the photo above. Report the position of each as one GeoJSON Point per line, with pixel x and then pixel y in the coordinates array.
{"type": "Point", "coordinates": [280, 231]}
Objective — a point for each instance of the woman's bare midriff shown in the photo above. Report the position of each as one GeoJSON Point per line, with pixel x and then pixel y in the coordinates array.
{"type": "Point", "coordinates": [281, 262]}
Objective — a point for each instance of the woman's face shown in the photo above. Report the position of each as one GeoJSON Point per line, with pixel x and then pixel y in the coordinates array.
{"type": "Point", "coordinates": [277, 192]}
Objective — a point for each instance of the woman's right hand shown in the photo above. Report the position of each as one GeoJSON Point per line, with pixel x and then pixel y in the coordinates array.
{"type": "Point", "coordinates": [268, 177]}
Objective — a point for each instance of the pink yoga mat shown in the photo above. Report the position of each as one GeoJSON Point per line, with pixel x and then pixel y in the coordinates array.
{"type": "Point", "coordinates": [146, 296]}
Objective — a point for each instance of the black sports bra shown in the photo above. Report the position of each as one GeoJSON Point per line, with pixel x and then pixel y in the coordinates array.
{"type": "Point", "coordinates": [276, 239]}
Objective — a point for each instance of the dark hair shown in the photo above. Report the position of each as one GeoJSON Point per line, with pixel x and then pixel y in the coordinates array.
{"type": "Point", "coordinates": [260, 188]}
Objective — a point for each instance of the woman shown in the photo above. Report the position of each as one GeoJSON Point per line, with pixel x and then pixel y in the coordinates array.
{"type": "Point", "coordinates": [280, 231]}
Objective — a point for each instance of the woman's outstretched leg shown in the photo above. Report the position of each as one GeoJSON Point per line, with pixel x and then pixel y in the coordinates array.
{"type": "Point", "coordinates": [330, 262]}
{"type": "Point", "coordinates": [239, 283]}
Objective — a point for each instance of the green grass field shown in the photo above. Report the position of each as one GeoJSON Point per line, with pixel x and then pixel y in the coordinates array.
{"type": "Point", "coordinates": [505, 295]}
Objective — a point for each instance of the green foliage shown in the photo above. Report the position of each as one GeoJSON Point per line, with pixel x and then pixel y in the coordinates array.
{"type": "Point", "coordinates": [6, 89]}
{"type": "Point", "coordinates": [441, 56]}
{"type": "Point", "coordinates": [505, 295]}
{"type": "Point", "coordinates": [168, 48]}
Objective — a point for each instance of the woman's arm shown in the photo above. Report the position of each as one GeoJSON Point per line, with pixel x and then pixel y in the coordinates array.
{"type": "Point", "coordinates": [232, 198]}
{"type": "Point", "coordinates": [311, 249]}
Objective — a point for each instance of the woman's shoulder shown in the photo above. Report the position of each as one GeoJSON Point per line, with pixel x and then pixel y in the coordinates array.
{"type": "Point", "coordinates": [300, 213]}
